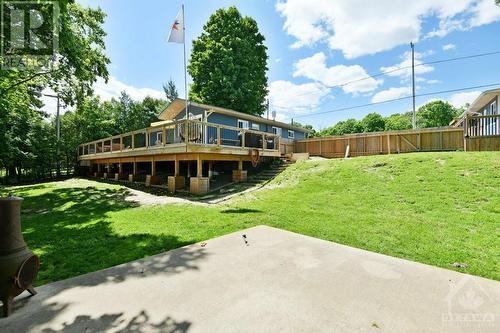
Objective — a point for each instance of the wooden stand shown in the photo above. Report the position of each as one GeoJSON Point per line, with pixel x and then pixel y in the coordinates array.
{"type": "Point", "coordinates": [176, 183]}
{"type": "Point", "coordinates": [199, 185]}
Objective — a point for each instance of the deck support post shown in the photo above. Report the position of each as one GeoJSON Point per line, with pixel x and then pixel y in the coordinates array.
{"type": "Point", "coordinates": [120, 168]}
{"type": "Point", "coordinates": [176, 182]}
{"type": "Point", "coordinates": [176, 166]}
{"type": "Point", "coordinates": [153, 166]}
{"type": "Point", "coordinates": [199, 167]}
{"type": "Point", "coordinates": [134, 171]}
{"type": "Point", "coordinates": [99, 167]}
{"type": "Point", "coordinates": [240, 175]}
{"type": "Point", "coordinates": [210, 171]}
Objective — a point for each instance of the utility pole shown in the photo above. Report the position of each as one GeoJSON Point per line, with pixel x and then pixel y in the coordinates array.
{"type": "Point", "coordinates": [58, 133]}
{"type": "Point", "coordinates": [414, 117]}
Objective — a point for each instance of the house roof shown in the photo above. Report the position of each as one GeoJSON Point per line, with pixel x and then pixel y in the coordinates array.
{"type": "Point", "coordinates": [178, 105]}
{"type": "Point", "coordinates": [477, 105]}
{"type": "Point", "coordinates": [482, 100]}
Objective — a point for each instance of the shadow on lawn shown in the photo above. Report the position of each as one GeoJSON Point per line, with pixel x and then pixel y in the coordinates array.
{"type": "Point", "coordinates": [240, 211]}
{"type": "Point", "coordinates": [68, 228]}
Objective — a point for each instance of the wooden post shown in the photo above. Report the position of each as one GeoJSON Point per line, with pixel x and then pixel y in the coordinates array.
{"type": "Point", "coordinates": [240, 165]}
{"type": "Point", "coordinates": [210, 169]}
{"type": "Point", "coordinates": [219, 139]}
{"type": "Point", "coordinates": [135, 168]}
{"type": "Point", "coordinates": [133, 142]}
{"type": "Point", "coordinates": [263, 141]}
{"type": "Point", "coordinates": [199, 166]}
{"type": "Point", "coordinates": [146, 135]}
{"type": "Point", "coordinates": [381, 145]}
{"type": "Point", "coordinates": [164, 135]}
{"type": "Point", "coordinates": [320, 148]}
{"type": "Point", "coordinates": [398, 140]}
{"type": "Point", "coordinates": [243, 139]}
{"type": "Point", "coordinates": [466, 130]}
{"type": "Point", "coordinates": [153, 166]}
{"type": "Point", "coordinates": [120, 168]}
{"type": "Point", "coordinates": [388, 144]}
{"type": "Point", "coordinates": [121, 142]}
{"type": "Point", "coordinates": [99, 167]}
{"type": "Point", "coordinates": [176, 166]}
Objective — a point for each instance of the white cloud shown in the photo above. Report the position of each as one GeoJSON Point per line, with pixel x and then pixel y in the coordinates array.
{"type": "Point", "coordinates": [289, 99]}
{"type": "Point", "coordinates": [462, 98]}
{"type": "Point", "coordinates": [448, 47]}
{"type": "Point", "coordinates": [405, 73]}
{"type": "Point", "coordinates": [315, 68]}
{"type": "Point", "coordinates": [391, 93]}
{"type": "Point", "coordinates": [359, 27]}
{"type": "Point", "coordinates": [485, 12]}
{"type": "Point", "coordinates": [114, 87]}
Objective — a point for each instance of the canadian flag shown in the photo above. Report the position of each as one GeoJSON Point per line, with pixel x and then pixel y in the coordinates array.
{"type": "Point", "coordinates": [177, 32]}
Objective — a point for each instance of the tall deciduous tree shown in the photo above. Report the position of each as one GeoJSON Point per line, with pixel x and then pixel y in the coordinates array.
{"type": "Point", "coordinates": [435, 114]}
{"type": "Point", "coordinates": [229, 63]}
{"type": "Point", "coordinates": [373, 122]}
{"type": "Point", "coordinates": [398, 121]}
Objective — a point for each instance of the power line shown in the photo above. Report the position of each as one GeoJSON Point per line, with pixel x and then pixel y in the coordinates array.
{"type": "Point", "coordinates": [398, 99]}
{"type": "Point", "coordinates": [340, 85]}
{"type": "Point", "coordinates": [416, 65]}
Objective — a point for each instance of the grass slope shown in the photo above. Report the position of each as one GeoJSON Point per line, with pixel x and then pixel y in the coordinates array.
{"type": "Point", "coordinates": [434, 208]}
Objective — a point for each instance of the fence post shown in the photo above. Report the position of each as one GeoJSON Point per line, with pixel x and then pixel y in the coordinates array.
{"type": "Point", "coordinates": [388, 144]}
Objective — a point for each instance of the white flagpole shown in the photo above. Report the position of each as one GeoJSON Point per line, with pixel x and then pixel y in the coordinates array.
{"type": "Point", "coordinates": [185, 67]}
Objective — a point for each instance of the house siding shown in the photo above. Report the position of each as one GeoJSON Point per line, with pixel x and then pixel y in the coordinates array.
{"type": "Point", "coordinates": [227, 120]}
{"type": "Point", "coordinates": [193, 110]}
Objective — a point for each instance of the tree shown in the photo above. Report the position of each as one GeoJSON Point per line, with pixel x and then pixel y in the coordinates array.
{"type": "Point", "coordinates": [170, 90]}
{"type": "Point", "coordinates": [398, 121]}
{"type": "Point", "coordinates": [229, 62]}
{"type": "Point", "coordinates": [26, 136]}
{"type": "Point", "coordinates": [373, 122]}
{"type": "Point", "coordinates": [435, 114]}
{"type": "Point", "coordinates": [349, 126]}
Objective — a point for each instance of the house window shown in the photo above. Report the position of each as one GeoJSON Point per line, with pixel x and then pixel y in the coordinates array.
{"type": "Point", "coordinates": [243, 124]}
{"type": "Point", "coordinates": [277, 131]}
{"type": "Point", "coordinates": [291, 134]}
{"type": "Point", "coordinates": [493, 108]}
{"type": "Point", "coordinates": [255, 126]}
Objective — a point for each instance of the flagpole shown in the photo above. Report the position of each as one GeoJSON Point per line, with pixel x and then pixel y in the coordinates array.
{"type": "Point", "coordinates": [185, 67]}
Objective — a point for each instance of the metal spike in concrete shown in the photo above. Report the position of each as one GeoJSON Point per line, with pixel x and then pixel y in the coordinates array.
{"type": "Point", "coordinates": [268, 281]}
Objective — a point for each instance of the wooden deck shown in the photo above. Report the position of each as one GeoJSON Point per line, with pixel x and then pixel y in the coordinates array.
{"type": "Point", "coordinates": [178, 141]}
{"type": "Point", "coordinates": [186, 139]}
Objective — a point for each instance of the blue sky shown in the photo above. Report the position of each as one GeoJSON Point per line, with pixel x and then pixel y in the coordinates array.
{"type": "Point", "coordinates": [316, 44]}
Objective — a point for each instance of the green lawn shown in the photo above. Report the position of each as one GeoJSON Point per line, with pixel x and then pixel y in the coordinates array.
{"type": "Point", "coordinates": [434, 208]}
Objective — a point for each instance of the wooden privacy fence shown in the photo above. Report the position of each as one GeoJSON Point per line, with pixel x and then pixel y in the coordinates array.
{"type": "Point", "coordinates": [426, 139]}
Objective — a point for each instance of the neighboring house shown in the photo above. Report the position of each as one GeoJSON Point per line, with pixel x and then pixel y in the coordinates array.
{"type": "Point", "coordinates": [228, 117]}
{"type": "Point", "coordinates": [482, 117]}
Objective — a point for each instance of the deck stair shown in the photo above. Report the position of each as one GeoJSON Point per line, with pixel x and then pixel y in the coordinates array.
{"type": "Point", "coordinates": [269, 174]}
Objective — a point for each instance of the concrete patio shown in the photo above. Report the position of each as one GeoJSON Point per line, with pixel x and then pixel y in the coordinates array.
{"type": "Point", "coordinates": [278, 281]}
